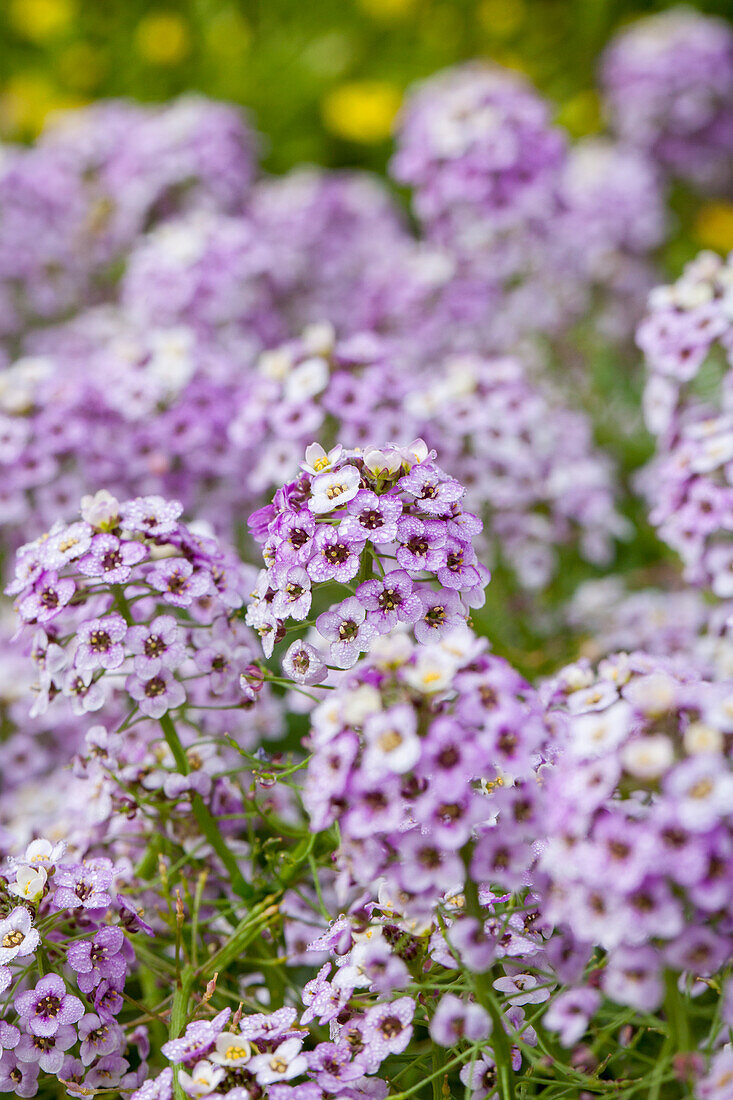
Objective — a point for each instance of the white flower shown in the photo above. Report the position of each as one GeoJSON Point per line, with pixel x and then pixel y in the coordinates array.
{"type": "Point", "coordinates": [699, 738]}
{"type": "Point", "coordinates": [597, 732]}
{"type": "Point", "coordinates": [101, 510]}
{"type": "Point", "coordinates": [331, 490]}
{"type": "Point", "coordinates": [44, 852]}
{"type": "Point", "coordinates": [231, 1050]}
{"type": "Point", "coordinates": [382, 463]}
{"type": "Point", "coordinates": [172, 362]}
{"type": "Point", "coordinates": [415, 453]}
{"type": "Point", "coordinates": [319, 339]}
{"type": "Point", "coordinates": [306, 380]}
{"type": "Point", "coordinates": [649, 757]}
{"type": "Point", "coordinates": [360, 704]}
{"type": "Point", "coordinates": [317, 461]}
{"type": "Point", "coordinates": [392, 744]}
{"type": "Point", "coordinates": [432, 672]}
{"type": "Point", "coordinates": [276, 364]}
{"type": "Point", "coordinates": [653, 695]}
{"type": "Point", "coordinates": [280, 1065]}
{"type": "Point", "coordinates": [392, 650]}
{"type": "Point", "coordinates": [202, 1081]}
{"type": "Point", "coordinates": [17, 936]}
{"type": "Point", "coordinates": [29, 883]}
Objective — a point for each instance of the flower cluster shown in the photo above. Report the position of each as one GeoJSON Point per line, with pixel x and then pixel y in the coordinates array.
{"type": "Point", "coordinates": [127, 596]}
{"type": "Point", "coordinates": [46, 1027]}
{"type": "Point", "coordinates": [476, 146]}
{"type": "Point", "coordinates": [616, 208]}
{"type": "Point", "coordinates": [639, 825]}
{"type": "Point", "coordinates": [527, 460]}
{"type": "Point", "coordinates": [687, 332]}
{"type": "Point", "coordinates": [97, 178]}
{"type": "Point", "coordinates": [388, 520]}
{"type": "Point", "coordinates": [386, 862]}
{"type": "Point", "coordinates": [417, 752]}
{"type": "Point", "coordinates": [668, 87]}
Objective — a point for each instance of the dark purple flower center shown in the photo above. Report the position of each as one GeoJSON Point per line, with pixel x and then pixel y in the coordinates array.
{"type": "Point", "coordinates": [371, 519]}
{"type": "Point", "coordinates": [435, 616]}
{"type": "Point", "coordinates": [348, 630]}
{"type": "Point", "coordinates": [48, 1005]}
{"type": "Point", "coordinates": [391, 1027]}
{"type": "Point", "coordinates": [154, 646]}
{"type": "Point", "coordinates": [336, 553]}
{"type": "Point", "coordinates": [418, 545]}
{"type": "Point", "coordinates": [99, 641]}
{"type": "Point", "coordinates": [111, 559]}
{"type": "Point", "coordinates": [50, 597]}
{"type": "Point", "coordinates": [430, 858]}
{"type": "Point", "coordinates": [176, 583]}
{"type": "Point", "coordinates": [301, 661]}
{"type": "Point", "coordinates": [389, 599]}
{"type": "Point", "coordinates": [155, 687]}
{"type": "Point", "coordinates": [298, 537]}
{"type": "Point", "coordinates": [449, 812]}
{"type": "Point", "coordinates": [13, 939]}
{"type": "Point", "coordinates": [449, 756]}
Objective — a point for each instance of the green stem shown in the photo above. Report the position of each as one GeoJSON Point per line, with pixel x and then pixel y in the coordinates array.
{"type": "Point", "coordinates": [123, 604]}
{"type": "Point", "coordinates": [179, 1014]}
{"type": "Point", "coordinates": [485, 996]}
{"type": "Point", "coordinates": [438, 1066]}
{"type": "Point", "coordinates": [247, 929]}
{"type": "Point", "coordinates": [674, 1008]}
{"type": "Point", "coordinates": [206, 822]}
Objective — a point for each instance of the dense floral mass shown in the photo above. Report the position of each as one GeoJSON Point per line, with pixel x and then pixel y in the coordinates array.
{"type": "Point", "coordinates": [358, 737]}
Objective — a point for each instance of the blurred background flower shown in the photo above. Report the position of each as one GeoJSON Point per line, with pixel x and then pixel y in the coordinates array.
{"type": "Point", "coordinates": [324, 79]}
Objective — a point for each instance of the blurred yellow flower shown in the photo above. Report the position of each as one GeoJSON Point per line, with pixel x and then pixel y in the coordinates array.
{"type": "Point", "coordinates": [27, 100]}
{"type": "Point", "coordinates": [362, 110]}
{"type": "Point", "coordinates": [163, 38]}
{"type": "Point", "coordinates": [581, 114]}
{"type": "Point", "coordinates": [388, 10]}
{"type": "Point", "coordinates": [501, 18]}
{"type": "Point", "coordinates": [40, 19]}
{"type": "Point", "coordinates": [714, 226]}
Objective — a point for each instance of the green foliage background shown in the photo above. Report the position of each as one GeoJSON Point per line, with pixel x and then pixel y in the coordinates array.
{"type": "Point", "coordinates": [282, 58]}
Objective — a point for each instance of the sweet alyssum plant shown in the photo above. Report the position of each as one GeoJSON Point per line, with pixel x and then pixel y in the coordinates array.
{"type": "Point", "coordinates": [438, 881]}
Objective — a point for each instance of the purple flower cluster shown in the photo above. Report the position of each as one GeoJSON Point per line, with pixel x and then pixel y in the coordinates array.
{"type": "Point", "coordinates": [45, 1027]}
{"type": "Point", "coordinates": [266, 1051]}
{"type": "Point", "coordinates": [116, 598]}
{"type": "Point", "coordinates": [616, 209]}
{"type": "Point", "coordinates": [639, 829]}
{"type": "Point", "coordinates": [391, 522]}
{"type": "Point", "coordinates": [476, 145]}
{"type": "Point", "coordinates": [75, 203]}
{"type": "Point", "coordinates": [527, 460]}
{"type": "Point", "coordinates": [668, 87]}
{"type": "Point", "coordinates": [416, 753]}
{"type": "Point", "coordinates": [689, 484]}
